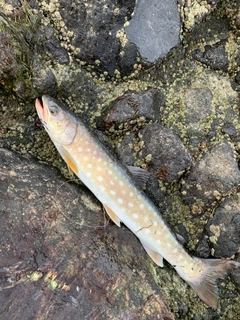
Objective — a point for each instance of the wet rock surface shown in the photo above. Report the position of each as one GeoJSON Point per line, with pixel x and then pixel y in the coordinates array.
{"type": "Point", "coordinates": [59, 259]}
{"type": "Point", "coordinates": [80, 53]}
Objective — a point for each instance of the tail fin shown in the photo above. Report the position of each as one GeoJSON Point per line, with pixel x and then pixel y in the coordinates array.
{"type": "Point", "coordinates": [205, 285]}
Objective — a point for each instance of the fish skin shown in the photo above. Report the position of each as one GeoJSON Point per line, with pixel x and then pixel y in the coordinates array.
{"type": "Point", "coordinates": [111, 183]}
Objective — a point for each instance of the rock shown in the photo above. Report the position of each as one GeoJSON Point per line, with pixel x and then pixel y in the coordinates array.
{"type": "Point", "coordinates": [134, 105]}
{"type": "Point", "coordinates": [229, 129]}
{"type": "Point", "coordinates": [92, 32]}
{"type": "Point", "coordinates": [214, 175]}
{"type": "Point", "coordinates": [214, 56]}
{"type": "Point", "coordinates": [59, 53]}
{"type": "Point", "coordinates": [124, 149]}
{"type": "Point", "coordinates": [59, 259]}
{"type": "Point", "coordinates": [154, 28]}
{"type": "Point", "coordinates": [168, 158]}
{"type": "Point", "coordinates": [222, 231]}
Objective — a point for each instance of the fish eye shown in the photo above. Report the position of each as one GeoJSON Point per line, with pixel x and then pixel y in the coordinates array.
{"type": "Point", "coordinates": [53, 109]}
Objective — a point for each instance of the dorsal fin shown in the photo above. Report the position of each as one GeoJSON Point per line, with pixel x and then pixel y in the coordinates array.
{"type": "Point", "coordinates": [140, 176]}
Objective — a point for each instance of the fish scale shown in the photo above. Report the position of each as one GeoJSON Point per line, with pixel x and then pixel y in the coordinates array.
{"type": "Point", "coordinates": [124, 202]}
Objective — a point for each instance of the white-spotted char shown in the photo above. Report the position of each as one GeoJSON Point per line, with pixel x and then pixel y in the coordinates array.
{"type": "Point", "coordinates": [112, 184]}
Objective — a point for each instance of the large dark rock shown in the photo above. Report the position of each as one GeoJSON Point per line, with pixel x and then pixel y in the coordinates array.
{"type": "Point", "coordinates": [60, 258]}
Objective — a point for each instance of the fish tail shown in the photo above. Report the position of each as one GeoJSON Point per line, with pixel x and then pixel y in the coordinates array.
{"type": "Point", "coordinates": [205, 285]}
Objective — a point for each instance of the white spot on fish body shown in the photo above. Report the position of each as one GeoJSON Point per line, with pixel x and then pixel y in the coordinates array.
{"type": "Point", "coordinates": [130, 204]}
{"type": "Point", "coordinates": [146, 219]}
{"type": "Point", "coordinates": [100, 178]}
{"type": "Point", "coordinates": [168, 235]}
{"type": "Point", "coordinates": [112, 183]}
{"type": "Point", "coordinates": [85, 158]}
{"type": "Point", "coordinates": [89, 165]}
{"type": "Point", "coordinates": [121, 183]}
{"type": "Point", "coordinates": [110, 172]}
{"type": "Point", "coordinates": [120, 200]}
{"type": "Point", "coordinates": [169, 245]}
{"type": "Point", "coordinates": [175, 250]}
{"type": "Point", "coordinates": [141, 206]}
{"type": "Point", "coordinates": [131, 194]}
{"type": "Point", "coordinates": [102, 188]}
{"type": "Point", "coordinates": [147, 231]}
{"type": "Point", "coordinates": [80, 149]}
{"type": "Point", "coordinates": [155, 223]}
{"type": "Point", "coordinates": [135, 215]}
{"type": "Point", "coordinates": [112, 192]}
{"type": "Point", "coordinates": [99, 168]}
{"type": "Point", "coordinates": [88, 149]}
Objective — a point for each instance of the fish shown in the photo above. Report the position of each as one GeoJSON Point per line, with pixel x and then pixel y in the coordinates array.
{"type": "Point", "coordinates": [124, 200]}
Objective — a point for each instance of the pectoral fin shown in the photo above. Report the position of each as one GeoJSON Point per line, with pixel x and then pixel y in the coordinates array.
{"type": "Point", "coordinates": [72, 166]}
{"type": "Point", "coordinates": [113, 216]}
{"type": "Point", "coordinates": [156, 257]}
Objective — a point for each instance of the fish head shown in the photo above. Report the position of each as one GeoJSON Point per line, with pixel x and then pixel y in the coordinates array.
{"type": "Point", "coordinates": [57, 119]}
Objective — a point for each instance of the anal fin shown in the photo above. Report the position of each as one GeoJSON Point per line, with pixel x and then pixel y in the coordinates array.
{"type": "Point", "coordinates": [155, 256]}
{"type": "Point", "coordinates": [113, 216]}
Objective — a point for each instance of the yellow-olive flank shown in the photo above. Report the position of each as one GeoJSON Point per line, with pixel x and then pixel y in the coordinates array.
{"type": "Point", "coordinates": [124, 201]}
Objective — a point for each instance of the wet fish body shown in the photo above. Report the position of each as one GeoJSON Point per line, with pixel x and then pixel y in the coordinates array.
{"type": "Point", "coordinates": [112, 184]}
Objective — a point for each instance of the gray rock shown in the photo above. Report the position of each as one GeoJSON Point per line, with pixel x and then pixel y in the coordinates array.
{"type": "Point", "coordinates": [215, 174]}
{"type": "Point", "coordinates": [154, 28]}
{"type": "Point", "coordinates": [168, 158]}
{"type": "Point", "coordinates": [222, 231]}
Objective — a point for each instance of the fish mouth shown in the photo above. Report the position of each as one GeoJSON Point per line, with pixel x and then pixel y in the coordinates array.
{"type": "Point", "coordinates": [40, 108]}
